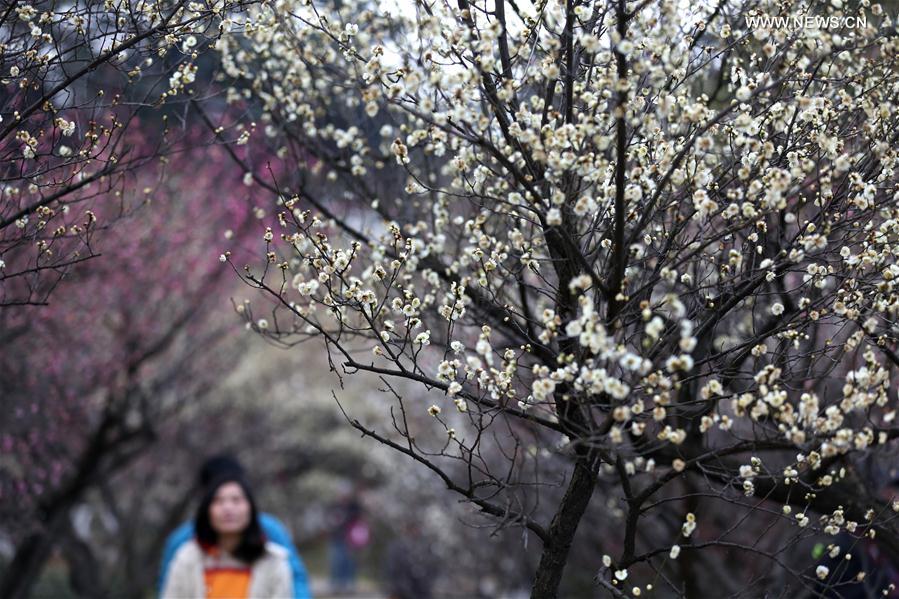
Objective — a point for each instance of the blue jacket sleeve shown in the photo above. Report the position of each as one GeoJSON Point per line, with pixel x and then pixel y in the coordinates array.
{"type": "Point", "coordinates": [277, 533]}
{"type": "Point", "coordinates": [178, 537]}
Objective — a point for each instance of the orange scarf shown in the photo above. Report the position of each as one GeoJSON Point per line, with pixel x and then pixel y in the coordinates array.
{"type": "Point", "coordinates": [225, 577]}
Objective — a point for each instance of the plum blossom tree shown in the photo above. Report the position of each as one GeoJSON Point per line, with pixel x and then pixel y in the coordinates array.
{"type": "Point", "coordinates": [75, 78]}
{"type": "Point", "coordinates": [637, 261]}
{"type": "Point", "coordinates": [129, 341]}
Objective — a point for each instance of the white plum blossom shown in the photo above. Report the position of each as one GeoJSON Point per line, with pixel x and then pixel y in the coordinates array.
{"type": "Point", "coordinates": [689, 525]}
{"type": "Point", "coordinates": [554, 217]}
{"type": "Point", "coordinates": [588, 233]}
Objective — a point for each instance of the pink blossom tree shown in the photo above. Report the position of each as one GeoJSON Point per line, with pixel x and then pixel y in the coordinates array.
{"type": "Point", "coordinates": [128, 341]}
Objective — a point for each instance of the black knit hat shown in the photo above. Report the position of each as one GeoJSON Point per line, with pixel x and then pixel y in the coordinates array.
{"type": "Point", "coordinates": [218, 466]}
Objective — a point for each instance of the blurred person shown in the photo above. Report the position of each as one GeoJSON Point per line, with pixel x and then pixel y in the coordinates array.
{"type": "Point", "coordinates": [213, 470]}
{"type": "Point", "coordinates": [409, 565]}
{"type": "Point", "coordinates": [229, 556]}
{"type": "Point", "coordinates": [349, 534]}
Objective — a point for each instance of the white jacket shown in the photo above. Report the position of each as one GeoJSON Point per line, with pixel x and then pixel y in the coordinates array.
{"type": "Point", "coordinates": [270, 576]}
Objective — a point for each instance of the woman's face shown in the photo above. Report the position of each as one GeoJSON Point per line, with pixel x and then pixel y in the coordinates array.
{"type": "Point", "coordinates": [230, 509]}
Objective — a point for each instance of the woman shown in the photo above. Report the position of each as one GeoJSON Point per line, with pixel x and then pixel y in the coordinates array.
{"type": "Point", "coordinates": [229, 557]}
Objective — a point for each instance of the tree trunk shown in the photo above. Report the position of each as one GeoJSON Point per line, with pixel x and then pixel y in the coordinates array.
{"type": "Point", "coordinates": [26, 565]}
{"type": "Point", "coordinates": [84, 570]}
{"type": "Point", "coordinates": [562, 529]}
{"type": "Point", "coordinates": [33, 552]}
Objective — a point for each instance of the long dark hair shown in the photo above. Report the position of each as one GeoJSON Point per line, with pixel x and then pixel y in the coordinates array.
{"type": "Point", "coordinates": [252, 542]}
